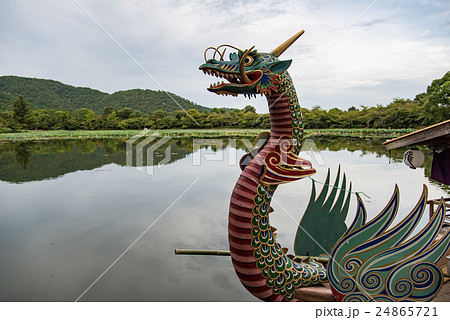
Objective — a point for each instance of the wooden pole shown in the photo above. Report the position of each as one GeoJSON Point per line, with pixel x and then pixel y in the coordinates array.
{"type": "Point", "coordinates": [203, 252]}
{"type": "Point", "coordinates": [227, 253]}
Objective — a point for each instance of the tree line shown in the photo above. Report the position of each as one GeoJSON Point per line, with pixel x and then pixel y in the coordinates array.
{"type": "Point", "coordinates": [425, 109]}
{"type": "Point", "coordinates": [22, 118]}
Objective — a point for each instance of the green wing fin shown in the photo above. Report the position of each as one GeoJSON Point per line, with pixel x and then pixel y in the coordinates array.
{"type": "Point", "coordinates": [323, 222]}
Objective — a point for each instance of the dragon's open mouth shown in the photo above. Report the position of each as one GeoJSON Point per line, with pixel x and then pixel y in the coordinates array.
{"type": "Point", "coordinates": [234, 80]}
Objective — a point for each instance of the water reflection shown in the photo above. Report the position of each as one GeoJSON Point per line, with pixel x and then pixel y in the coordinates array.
{"type": "Point", "coordinates": [71, 208]}
{"type": "Point", "coordinates": [35, 161]}
{"type": "Point", "coordinates": [23, 154]}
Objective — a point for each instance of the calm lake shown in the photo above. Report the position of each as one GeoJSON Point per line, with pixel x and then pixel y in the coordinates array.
{"type": "Point", "coordinates": [86, 220]}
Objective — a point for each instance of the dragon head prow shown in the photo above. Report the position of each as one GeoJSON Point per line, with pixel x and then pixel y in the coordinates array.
{"type": "Point", "coordinates": [248, 72]}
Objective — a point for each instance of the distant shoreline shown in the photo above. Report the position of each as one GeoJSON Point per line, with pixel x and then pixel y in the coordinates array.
{"type": "Point", "coordinates": [31, 135]}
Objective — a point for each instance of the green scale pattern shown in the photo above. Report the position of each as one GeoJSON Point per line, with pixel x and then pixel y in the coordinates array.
{"type": "Point", "coordinates": [286, 86]}
{"type": "Point", "coordinates": [283, 275]}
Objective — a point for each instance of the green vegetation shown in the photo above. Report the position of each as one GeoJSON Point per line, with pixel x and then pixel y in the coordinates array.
{"type": "Point", "coordinates": [131, 109]}
{"type": "Point", "coordinates": [197, 133]}
{"type": "Point", "coordinates": [21, 111]}
{"type": "Point", "coordinates": [424, 110]}
{"type": "Point", "coordinates": [54, 95]}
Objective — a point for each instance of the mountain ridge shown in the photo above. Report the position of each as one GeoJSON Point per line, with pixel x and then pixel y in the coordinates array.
{"type": "Point", "coordinates": [51, 94]}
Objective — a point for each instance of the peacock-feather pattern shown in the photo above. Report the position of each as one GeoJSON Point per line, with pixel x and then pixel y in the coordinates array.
{"type": "Point", "coordinates": [374, 263]}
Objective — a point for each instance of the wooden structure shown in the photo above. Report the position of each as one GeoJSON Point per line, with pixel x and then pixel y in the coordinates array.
{"type": "Point", "coordinates": [438, 134]}
{"type": "Point", "coordinates": [432, 136]}
{"type": "Point", "coordinates": [434, 202]}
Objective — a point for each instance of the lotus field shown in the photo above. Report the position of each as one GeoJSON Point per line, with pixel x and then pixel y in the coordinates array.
{"type": "Point", "coordinates": [200, 133]}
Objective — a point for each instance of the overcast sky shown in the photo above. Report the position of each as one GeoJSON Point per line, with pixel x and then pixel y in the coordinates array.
{"type": "Point", "coordinates": [353, 53]}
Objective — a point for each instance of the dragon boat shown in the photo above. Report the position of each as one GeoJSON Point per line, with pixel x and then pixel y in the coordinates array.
{"type": "Point", "coordinates": [367, 261]}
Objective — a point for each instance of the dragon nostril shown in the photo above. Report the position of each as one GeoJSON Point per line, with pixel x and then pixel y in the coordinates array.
{"type": "Point", "coordinates": [213, 61]}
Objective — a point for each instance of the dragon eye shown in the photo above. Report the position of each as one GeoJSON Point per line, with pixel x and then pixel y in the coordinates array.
{"type": "Point", "coordinates": [248, 61]}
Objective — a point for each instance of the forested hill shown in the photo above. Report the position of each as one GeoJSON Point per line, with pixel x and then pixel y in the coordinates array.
{"type": "Point", "coordinates": [50, 94]}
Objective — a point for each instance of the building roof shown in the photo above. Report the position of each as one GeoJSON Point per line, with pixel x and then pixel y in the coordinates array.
{"type": "Point", "coordinates": [438, 134]}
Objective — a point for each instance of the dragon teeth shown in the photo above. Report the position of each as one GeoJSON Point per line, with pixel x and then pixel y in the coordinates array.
{"type": "Point", "coordinates": [230, 77]}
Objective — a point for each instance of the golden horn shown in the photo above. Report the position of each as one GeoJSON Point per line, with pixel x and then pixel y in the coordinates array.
{"type": "Point", "coordinates": [281, 48]}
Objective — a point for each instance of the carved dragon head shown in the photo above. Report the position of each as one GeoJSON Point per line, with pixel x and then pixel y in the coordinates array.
{"type": "Point", "coordinates": [247, 72]}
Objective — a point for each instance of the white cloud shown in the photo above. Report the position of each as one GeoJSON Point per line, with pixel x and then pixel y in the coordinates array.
{"type": "Point", "coordinates": [395, 50]}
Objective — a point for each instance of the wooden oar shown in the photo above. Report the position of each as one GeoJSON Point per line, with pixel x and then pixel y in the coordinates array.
{"type": "Point", "coordinates": [203, 252]}
{"type": "Point", "coordinates": [324, 259]}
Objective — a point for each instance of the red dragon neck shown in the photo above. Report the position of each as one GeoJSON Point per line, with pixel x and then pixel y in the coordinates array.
{"type": "Point", "coordinates": [246, 210]}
